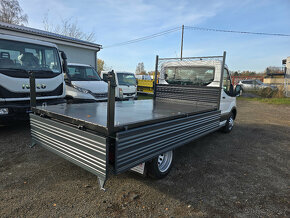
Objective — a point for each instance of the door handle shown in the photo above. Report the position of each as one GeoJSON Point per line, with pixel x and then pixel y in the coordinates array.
{"type": "Point", "coordinates": [224, 97]}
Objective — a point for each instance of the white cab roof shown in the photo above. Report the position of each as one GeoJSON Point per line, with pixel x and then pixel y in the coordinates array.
{"type": "Point", "coordinates": [116, 72]}
{"type": "Point", "coordinates": [192, 63]}
{"type": "Point", "coordinates": [27, 40]}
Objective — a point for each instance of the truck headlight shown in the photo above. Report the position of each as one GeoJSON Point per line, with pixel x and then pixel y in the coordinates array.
{"type": "Point", "coordinates": [4, 111]}
{"type": "Point", "coordinates": [81, 89]}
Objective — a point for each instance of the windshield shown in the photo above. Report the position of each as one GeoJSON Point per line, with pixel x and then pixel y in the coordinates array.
{"type": "Point", "coordinates": [126, 79]}
{"type": "Point", "coordinates": [17, 56]}
{"type": "Point", "coordinates": [82, 73]}
{"type": "Point", "coordinates": [259, 82]}
{"type": "Point", "coordinates": [201, 76]}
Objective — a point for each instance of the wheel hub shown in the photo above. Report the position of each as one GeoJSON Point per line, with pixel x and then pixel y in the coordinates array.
{"type": "Point", "coordinates": [231, 122]}
{"type": "Point", "coordinates": [164, 161]}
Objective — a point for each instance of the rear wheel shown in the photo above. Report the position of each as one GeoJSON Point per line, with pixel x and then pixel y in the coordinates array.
{"type": "Point", "coordinates": [160, 166]}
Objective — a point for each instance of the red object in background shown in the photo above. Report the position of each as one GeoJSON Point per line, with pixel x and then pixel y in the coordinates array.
{"type": "Point", "coordinates": [237, 79]}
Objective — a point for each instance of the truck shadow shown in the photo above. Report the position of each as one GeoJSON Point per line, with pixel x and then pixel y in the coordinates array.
{"type": "Point", "coordinates": [19, 125]}
{"type": "Point", "coordinates": [235, 170]}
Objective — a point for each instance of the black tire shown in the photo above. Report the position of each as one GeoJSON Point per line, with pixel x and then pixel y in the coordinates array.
{"type": "Point", "coordinates": [229, 124]}
{"type": "Point", "coordinates": [158, 170]}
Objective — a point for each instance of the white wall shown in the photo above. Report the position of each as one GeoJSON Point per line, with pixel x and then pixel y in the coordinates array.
{"type": "Point", "coordinates": [79, 55]}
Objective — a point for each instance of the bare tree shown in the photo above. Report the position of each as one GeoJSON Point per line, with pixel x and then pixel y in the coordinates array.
{"type": "Point", "coordinates": [140, 70]}
{"type": "Point", "coordinates": [68, 27]}
{"type": "Point", "coordinates": [11, 12]}
{"type": "Point", "coordinates": [274, 70]}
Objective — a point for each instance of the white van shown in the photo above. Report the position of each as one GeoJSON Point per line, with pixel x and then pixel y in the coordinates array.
{"type": "Point", "coordinates": [126, 84]}
{"type": "Point", "coordinates": [83, 84]}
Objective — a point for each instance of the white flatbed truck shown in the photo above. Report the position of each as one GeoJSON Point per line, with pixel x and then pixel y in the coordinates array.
{"type": "Point", "coordinates": [112, 137]}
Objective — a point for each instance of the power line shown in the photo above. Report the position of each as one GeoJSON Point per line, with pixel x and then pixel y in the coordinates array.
{"type": "Point", "coordinates": [234, 31]}
{"type": "Point", "coordinates": [144, 38]}
{"type": "Point", "coordinates": [193, 28]}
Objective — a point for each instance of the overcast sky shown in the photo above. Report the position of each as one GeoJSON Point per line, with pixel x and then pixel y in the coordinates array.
{"type": "Point", "coordinates": [115, 21]}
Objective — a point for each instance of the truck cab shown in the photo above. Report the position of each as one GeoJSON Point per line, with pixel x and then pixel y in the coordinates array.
{"type": "Point", "coordinates": [126, 84]}
{"type": "Point", "coordinates": [204, 73]}
{"type": "Point", "coordinates": [18, 56]}
{"type": "Point", "coordinates": [83, 84]}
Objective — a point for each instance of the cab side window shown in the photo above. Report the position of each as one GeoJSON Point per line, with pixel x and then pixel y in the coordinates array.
{"type": "Point", "coordinates": [105, 77]}
{"type": "Point", "coordinates": [227, 82]}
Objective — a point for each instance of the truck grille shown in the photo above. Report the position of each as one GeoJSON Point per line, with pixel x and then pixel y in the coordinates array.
{"type": "Point", "coordinates": [129, 94]}
{"type": "Point", "coordinates": [5, 93]}
{"type": "Point", "coordinates": [100, 95]}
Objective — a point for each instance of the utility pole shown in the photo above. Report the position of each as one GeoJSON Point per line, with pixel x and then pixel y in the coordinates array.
{"type": "Point", "coordinates": [181, 41]}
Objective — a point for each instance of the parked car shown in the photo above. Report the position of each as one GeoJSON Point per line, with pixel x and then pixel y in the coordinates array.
{"type": "Point", "coordinates": [126, 84]}
{"type": "Point", "coordinates": [254, 84]}
{"type": "Point", "coordinates": [83, 84]}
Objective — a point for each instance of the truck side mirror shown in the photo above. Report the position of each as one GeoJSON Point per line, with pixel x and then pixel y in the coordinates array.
{"type": "Point", "coordinates": [165, 76]}
{"type": "Point", "coordinates": [238, 90]}
{"type": "Point", "coordinates": [64, 62]}
{"type": "Point", "coordinates": [232, 90]}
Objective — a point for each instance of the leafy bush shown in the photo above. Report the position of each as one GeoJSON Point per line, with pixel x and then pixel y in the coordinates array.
{"type": "Point", "coordinates": [280, 93]}
{"type": "Point", "coordinates": [266, 92]}
{"type": "Point", "coordinates": [270, 93]}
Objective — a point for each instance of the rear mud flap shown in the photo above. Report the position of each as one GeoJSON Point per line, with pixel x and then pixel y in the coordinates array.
{"type": "Point", "coordinates": [82, 148]}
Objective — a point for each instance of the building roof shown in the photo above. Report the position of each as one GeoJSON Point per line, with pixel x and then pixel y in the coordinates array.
{"type": "Point", "coordinates": [37, 32]}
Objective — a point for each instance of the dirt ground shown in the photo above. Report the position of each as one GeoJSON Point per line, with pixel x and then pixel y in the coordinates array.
{"type": "Point", "coordinates": [244, 173]}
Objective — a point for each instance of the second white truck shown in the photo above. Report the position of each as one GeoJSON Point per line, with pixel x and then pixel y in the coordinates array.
{"type": "Point", "coordinates": [83, 84]}
{"type": "Point", "coordinates": [126, 84]}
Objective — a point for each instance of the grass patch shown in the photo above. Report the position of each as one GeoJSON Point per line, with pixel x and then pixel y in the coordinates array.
{"type": "Point", "coordinates": [144, 97]}
{"type": "Point", "coordinates": [279, 101]}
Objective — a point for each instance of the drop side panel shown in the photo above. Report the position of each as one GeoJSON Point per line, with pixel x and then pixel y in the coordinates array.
{"type": "Point", "coordinates": [141, 144]}
{"type": "Point", "coordinates": [82, 148]}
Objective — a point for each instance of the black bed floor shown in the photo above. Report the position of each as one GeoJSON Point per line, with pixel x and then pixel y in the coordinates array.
{"type": "Point", "coordinates": [126, 112]}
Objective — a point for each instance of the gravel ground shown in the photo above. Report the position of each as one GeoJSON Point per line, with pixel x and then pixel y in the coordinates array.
{"type": "Point", "coordinates": [244, 173]}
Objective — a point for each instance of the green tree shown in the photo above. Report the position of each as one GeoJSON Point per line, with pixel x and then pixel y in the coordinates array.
{"type": "Point", "coordinates": [100, 65]}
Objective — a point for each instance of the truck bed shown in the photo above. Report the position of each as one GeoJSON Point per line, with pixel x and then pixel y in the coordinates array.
{"type": "Point", "coordinates": [133, 132]}
{"type": "Point", "coordinates": [128, 114]}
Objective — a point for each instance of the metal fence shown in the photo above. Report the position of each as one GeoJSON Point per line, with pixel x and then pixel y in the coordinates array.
{"type": "Point", "coordinates": [287, 83]}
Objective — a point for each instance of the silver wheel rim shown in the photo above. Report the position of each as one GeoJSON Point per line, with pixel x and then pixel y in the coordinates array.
{"type": "Point", "coordinates": [231, 122]}
{"type": "Point", "coordinates": [164, 161]}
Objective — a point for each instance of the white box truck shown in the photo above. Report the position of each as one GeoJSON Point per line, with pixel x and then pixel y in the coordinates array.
{"type": "Point", "coordinates": [18, 57]}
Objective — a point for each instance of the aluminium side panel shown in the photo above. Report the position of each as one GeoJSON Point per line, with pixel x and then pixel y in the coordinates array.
{"type": "Point", "coordinates": [141, 144]}
{"type": "Point", "coordinates": [82, 148]}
